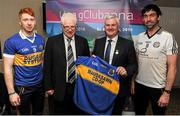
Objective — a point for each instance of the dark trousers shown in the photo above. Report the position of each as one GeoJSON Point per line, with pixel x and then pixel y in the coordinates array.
{"type": "Point", "coordinates": [5, 105]}
{"type": "Point", "coordinates": [144, 95]}
{"type": "Point", "coordinates": [66, 106]}
{"type": "Point", "coordinates": [119, 105]}
{"type": "Point", "coordinates": [32, 100]}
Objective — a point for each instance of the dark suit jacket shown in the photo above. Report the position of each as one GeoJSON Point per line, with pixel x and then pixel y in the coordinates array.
{"type": "Point", "coordinates": [126, 57]}
{"type": "Point", "coordinates": [55, 63]}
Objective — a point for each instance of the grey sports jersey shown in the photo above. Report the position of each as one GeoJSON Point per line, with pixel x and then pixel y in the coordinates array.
{"type": "Point", "coordinates": [151, 53]}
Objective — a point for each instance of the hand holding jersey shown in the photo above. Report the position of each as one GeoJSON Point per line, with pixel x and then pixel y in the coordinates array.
{"type": "Point", "coordinates": [120, 70]}
{"type": "Point", "coordinates": [50, 92]}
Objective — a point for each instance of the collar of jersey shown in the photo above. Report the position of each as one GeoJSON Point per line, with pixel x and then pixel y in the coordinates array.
{"type": "Point", "coordinates": [24, 37]}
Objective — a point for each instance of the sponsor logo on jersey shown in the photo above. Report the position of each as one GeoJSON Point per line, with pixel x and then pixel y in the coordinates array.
{"type": "Point", "coordinates": [99, 78]}
{"type": "Point", "coordinates": [33, 59]}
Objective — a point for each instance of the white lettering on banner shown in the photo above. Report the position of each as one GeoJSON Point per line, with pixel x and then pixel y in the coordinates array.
{"type": "Point", "coordinates": [99, 14]}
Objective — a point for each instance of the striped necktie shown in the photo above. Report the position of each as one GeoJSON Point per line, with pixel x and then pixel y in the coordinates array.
{"type": "Point", "coordinates": [108, 51]}
{"type": "Point", "coordinates": [71, 63]}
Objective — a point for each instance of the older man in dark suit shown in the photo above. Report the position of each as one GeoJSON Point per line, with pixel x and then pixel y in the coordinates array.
{"type": "Point", "coordinates": [59, 69]}
{"type": "Point", "coordinates": [119, 52]}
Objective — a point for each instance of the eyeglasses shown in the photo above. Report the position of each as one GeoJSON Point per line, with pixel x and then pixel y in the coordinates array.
{"type": "Point", "coordinates": [69, 27]}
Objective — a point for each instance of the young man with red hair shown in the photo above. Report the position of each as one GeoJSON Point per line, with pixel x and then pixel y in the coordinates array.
{"type": "Point", "coordinates": [23, 56]}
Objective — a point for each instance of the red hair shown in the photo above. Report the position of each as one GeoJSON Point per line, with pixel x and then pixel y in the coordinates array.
{"type": "Point", "coordinates": [26, 10]}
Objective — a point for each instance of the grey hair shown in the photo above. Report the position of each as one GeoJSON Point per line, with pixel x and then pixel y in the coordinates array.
{"type": "Point", "coordinates": [112, 17]}
{"type": "Point", "coordinates": [68, 16]}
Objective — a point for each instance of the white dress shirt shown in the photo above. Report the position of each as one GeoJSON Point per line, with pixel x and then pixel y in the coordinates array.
{"type": "Point", "coordinates": [113, 46]}
{"type": "Point", "coordinates": [73, 49]}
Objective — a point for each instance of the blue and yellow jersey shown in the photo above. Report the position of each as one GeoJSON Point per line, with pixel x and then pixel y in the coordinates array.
{"type": "Point", "coordinates": [28, 58]}
{"type": "Point", "coordinates": [97, 86]}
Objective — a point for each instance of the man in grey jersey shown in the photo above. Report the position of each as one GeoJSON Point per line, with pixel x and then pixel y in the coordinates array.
{"type": "Point", "coordinates": [157, 56]}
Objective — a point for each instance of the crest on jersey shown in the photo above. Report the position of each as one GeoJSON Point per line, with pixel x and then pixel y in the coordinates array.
{"type": "Point", "coordinates": [156, 44]}
{"type": "Point", "coordinates": [111, 72]}
{"type": "Point", "coordinates": [40, 47]}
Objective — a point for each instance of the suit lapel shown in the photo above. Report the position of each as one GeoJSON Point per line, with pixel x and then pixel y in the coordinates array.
{"type": "Point", "coordinates": [62, 47]}
{"type": "Point", "coordinates": [116, 51]}
{"type": "Point", "coordinates": [103, 47]}
{"type": "Point", "coordinates": [77, 45]}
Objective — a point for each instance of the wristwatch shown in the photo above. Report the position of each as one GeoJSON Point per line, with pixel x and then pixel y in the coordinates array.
{"type": "Point", "coordinates": [167, 91]}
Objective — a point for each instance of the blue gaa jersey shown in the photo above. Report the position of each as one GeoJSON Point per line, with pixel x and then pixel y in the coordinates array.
{"type": "Point", "coordinates": [97, 86]}
{"type": "Point", "coordinates": [28, 57]}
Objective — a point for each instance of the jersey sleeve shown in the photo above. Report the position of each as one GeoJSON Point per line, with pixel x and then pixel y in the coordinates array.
{"type": "Point", "coordinates": [9, 48]}
{"type": "Point", "coordinates": [171, 46]}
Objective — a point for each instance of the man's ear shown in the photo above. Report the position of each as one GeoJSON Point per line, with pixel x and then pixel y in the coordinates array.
{"type": "Point", "coordinates": [20, 23]}
{"type": "Point", "coordinates": [159, 18]}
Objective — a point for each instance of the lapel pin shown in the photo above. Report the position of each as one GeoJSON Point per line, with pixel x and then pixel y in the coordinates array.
{"type": "Point", "coordinates": [117, 52]}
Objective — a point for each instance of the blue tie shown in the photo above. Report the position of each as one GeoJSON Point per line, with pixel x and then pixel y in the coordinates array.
{"type": "Point", "coordinates": [108, 51]}
{"type": "Point", "coordinates": [71, 63]}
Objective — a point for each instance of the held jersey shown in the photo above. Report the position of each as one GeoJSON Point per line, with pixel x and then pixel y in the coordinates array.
{"type": "Point", "coordinates": [97, 86]}
{"type": "Point", "coordinates": [152, 57]}
{"type": "Point", "coordinates": [28, 57]}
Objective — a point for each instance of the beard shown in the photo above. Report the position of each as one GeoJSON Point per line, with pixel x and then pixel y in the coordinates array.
{"type": "Point", "coordinates": [151, 25]}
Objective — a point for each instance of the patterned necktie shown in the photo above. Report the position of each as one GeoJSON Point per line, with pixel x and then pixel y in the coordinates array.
{"type": "Point", "coordinates": [108, 50]}
{"type": "Point", "coordinates": [71, 63]}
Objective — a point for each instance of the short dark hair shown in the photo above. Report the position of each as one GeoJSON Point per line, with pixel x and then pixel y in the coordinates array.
{"type": "Point", "coordinates": [151, 7]}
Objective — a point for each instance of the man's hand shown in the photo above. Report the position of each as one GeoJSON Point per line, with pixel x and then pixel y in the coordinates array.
{"type": "Point", "coordinates": [50, 92]}
{"type": "Point", "coordinates": [164, 100]}
{"type": "Point", "coordinates": [93, 56]}
{"type": "Point", "coordinates": [15, 99]}
{"type": "Point", "coordinates": [121, 71]}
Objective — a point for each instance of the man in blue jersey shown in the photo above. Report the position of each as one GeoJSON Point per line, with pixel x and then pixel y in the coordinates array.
{"type": "Point", "coordinates": [23, 56]}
